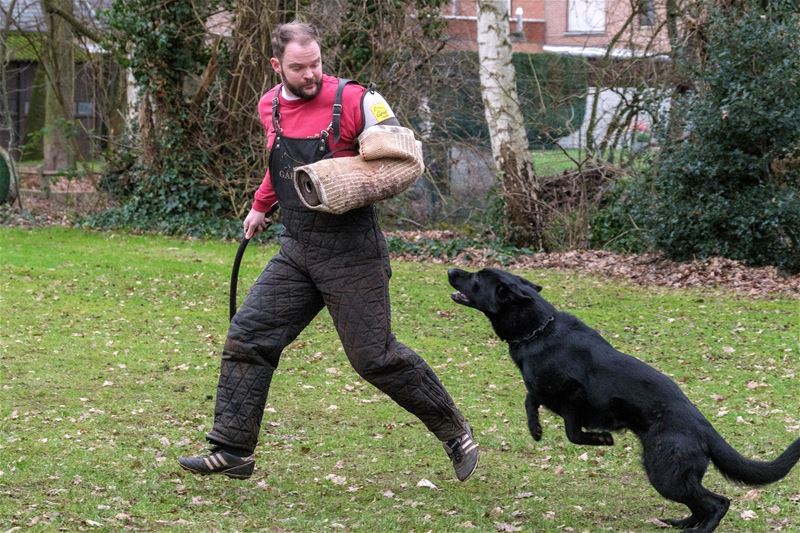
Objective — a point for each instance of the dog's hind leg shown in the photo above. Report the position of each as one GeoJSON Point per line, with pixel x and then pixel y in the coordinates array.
{"type": "Point", "coordinates": [576, 435]}
{"type": "Point", "coordinates": [707, 509]}
{"type": "Point", "coordinates": [675, 465]}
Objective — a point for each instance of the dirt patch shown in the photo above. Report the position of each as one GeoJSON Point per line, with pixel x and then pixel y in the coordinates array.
{"type": "Point", "coordinates": [55, 200]}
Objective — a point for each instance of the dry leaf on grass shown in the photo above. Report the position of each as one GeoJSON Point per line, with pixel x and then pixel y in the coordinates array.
{"type": "Point", "coordinates": [336, 480]}
{"type": "Point", "coordinates": [748, 515]}
{"type": "Point", "coordinates": [427, 484]}
{"type": "Point", "coordinates": [504, 527]}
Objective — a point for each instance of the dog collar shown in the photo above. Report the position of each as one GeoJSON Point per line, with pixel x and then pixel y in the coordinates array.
{"type": "Point", "coordinates": [532, 335]}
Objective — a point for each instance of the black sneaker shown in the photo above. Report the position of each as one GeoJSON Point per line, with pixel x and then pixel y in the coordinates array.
{"type": "Point", "coordinates": [463, 452]}
{"type": "Point", "coordinates": [220, 462]}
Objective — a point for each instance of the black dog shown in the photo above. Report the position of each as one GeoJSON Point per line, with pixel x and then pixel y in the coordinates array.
{"type": "Point", "coordinates": [570, 369]}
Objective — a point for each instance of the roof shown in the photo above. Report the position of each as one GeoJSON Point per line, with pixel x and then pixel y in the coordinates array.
{"type": "Point", "coordinates": [28, 47]}
{"type": "Point", "coordinates": [27, 14]}
{"type": "Point", "coordinates": [26, 24]}
{"type": "Point", "coordinates": [24, 47]}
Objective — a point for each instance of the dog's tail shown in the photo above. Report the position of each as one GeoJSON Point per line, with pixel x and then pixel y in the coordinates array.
{"type": "Point", "coordinates": [738, 468]}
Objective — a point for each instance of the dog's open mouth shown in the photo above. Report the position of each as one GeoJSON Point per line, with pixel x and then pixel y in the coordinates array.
{"type": "Point", "coordinates": [460, 298]}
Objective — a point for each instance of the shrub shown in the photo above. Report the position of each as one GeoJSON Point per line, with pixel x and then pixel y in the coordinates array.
{"type": "Point", "coordinates": [730, 186]}
{"type": "Point", "coordinates": [619, 223]}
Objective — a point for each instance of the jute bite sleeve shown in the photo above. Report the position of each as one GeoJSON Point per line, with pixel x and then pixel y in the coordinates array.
{"type": "Point", "coordinates": [389, 161]}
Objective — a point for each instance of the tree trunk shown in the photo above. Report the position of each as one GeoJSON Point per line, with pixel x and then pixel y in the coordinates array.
{"type": "Point", "coordinates": [6, 124]}
{"type": "Point", "coordinates": [59, 62]}
{"type": "Point", "coordinates": [506, 127]}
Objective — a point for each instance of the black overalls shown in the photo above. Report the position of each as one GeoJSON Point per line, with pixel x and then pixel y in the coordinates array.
{"type": "Point", "coordinates": [338, 261]}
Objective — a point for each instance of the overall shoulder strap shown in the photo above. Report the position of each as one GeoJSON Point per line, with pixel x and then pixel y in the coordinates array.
{"type": "Point", "coordinates": [337, 109]}
{"type": "Point", "coordinates": [276, 115]}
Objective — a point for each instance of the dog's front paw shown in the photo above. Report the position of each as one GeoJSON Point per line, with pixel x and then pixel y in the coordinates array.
{"type": "Point", "coordinates": [536, 431]}
{"type": "Point", "coordinates": [605, 438]}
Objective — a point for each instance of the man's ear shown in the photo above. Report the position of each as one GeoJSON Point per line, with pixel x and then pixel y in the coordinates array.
{"type": "Point", "coordinates": [276, 65]}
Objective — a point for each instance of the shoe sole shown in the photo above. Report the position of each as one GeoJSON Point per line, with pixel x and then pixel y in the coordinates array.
{"type": "Point", "coordinates": [474, 468]}
{"type": "Point", "coordinates": [231, 472]}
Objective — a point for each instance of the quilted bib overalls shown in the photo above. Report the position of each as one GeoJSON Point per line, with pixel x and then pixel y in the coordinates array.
{"type": "Point", "coordinates": [337, 261]}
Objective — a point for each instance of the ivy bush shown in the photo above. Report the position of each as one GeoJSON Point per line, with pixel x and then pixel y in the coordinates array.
{"type": "Point", "coordinates": [162, 43]}
{"type": "Point", "coordinates": [197, 154]}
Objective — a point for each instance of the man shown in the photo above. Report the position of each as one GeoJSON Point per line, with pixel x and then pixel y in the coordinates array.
{"type": "Point", "coordinates": [336, 261]}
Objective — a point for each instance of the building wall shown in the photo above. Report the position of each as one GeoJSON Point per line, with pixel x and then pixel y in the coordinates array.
{"type": "Point", "coordinates": [592, 24]}
{"type": "Point", "coordinates": [527, 31]}
{"type": "Point", "coordinates": [20, 77]}
{"type": "Point", "coordinates": [462, 35]}
{"type": "Point", "coordinates": [19, 87]}
{"type": "Point", "coordinates": [566, 26]}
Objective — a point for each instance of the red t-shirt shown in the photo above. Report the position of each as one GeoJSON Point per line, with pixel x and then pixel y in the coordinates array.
{"type": "Point", "coordinates": [302, 119]}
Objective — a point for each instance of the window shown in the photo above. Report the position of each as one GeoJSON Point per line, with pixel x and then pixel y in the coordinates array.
{"type": "Point", "coordinates": [84, 109]}
{"type": "Point", "coordinates": [586, 16]}
{"type": "Point", "coordinates": [647, 12]}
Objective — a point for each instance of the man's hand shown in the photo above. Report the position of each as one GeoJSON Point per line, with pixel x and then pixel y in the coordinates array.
{"type": "Point", "coordinates": [254, 222]}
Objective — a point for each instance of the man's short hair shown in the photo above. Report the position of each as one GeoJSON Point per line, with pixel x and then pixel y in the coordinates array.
{"type": "Point", "coordinates": [284, 34]}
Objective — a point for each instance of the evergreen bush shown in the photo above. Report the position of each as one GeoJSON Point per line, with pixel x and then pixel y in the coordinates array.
{"type": "Point", "coordinates": [730, 185]}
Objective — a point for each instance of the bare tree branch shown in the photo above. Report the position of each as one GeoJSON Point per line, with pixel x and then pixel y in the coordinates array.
{"type": "Point", "coordinates": [77, 25]}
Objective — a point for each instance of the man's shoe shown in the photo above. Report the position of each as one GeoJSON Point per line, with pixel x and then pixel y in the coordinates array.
{"type": "Point", "coordinates": [463, 452]}
{"type": "Point", "coordinates": [220, 462]}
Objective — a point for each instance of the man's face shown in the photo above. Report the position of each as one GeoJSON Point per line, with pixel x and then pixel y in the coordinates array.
{"type": "Point", "coordinates": [300, 69]}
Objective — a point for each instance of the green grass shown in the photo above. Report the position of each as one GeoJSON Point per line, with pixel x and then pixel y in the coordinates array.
{"type": "Point", "coordinates": [554, 162]}
{"type": "Point", "coordinates": [109, 350]}
{"type": "Point", "coordinates": [81, 167]}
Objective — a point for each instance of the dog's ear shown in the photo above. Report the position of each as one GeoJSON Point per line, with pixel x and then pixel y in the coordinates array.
{"type": "Point", "coordinates": [511, 292]}
{"type": "Point", "coordinates": [537, 288]}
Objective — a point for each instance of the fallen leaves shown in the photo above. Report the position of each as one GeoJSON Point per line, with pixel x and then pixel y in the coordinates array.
{"type": "Point", "coordinates": [336, 480]}
{"type": "Point", "coordinates": [748, 515]}
{"type": "Point", "coordinates": [644, 269]}
{"type": "Point", "coordinates": [504, 527]}
{"type": "Point", "coordinates": [426, 484]}
{"type": "Point", "coordinates": [752, 495]}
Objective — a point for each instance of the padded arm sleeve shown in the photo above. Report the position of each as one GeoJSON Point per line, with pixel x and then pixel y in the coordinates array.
{"type": "Point", "coordinates": [389, 161]}
{"type": "Point", "coordinates": [376, 111]}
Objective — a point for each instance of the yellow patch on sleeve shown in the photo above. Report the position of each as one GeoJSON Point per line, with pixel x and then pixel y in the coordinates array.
{"type": "Point", "coordinates": [381, 112]}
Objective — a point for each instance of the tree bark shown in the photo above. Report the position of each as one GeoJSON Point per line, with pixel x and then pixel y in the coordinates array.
{"type": "Point", "coordinates": [509, 140]}
{"type": "Point", "coordinates": [6, 123]}
{"type": "Point", "coordinates": [59, 62]}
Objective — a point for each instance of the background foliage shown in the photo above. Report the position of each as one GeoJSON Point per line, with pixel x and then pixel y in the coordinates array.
{"type": "Point", "coordinates": [704, 147]}
{"type": "Point", "coordinates": [729, 185]}
{"type": "Point", "coordinates": [161, 184]}
{"type": "Point", "coordinates": [552, 91]}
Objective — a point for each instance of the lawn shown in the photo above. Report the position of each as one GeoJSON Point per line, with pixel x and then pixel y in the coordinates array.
{"type": "Point", "coordinates": [554, 162]}
{"type": "Point", "coordinates": [109, 347]}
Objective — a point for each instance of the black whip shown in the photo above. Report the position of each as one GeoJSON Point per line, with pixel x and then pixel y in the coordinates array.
{"type": "Point", "coordinates": [235, 275]}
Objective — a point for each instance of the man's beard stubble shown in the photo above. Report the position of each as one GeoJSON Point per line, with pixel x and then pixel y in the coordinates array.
{"type": "Point", "coordinates": [299, 92]}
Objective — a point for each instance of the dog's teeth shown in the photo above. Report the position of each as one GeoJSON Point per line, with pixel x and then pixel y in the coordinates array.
{"type": "Point", "coordinates": [459, 297]}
